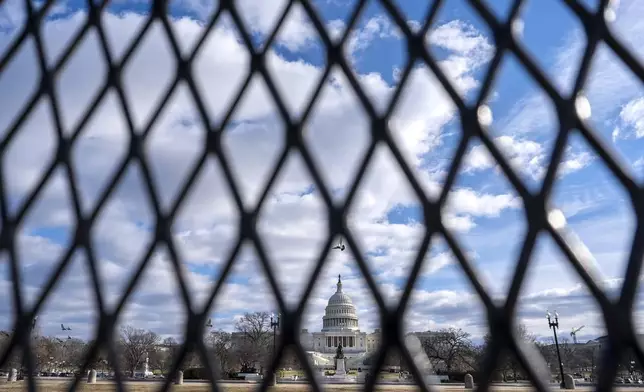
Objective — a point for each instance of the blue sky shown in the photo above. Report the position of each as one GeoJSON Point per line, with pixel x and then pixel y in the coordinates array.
{"type": "Point", "coordinates": [483, 211]}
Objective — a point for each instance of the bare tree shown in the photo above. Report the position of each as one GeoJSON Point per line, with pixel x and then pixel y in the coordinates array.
{"type": "Point", "coordinates": [135, 343]}
{"type": "Point", "coordinates": [511, 360]}
{"type": "Point", "coordinates": [450, 349]}
{"type": "Point", "coordinates": [569, 355]}
{"type": "Point", "coordinates": [575, 358]}
{"type": "Point", "coordinates": [14, 358]}
{"type": "Point", "coordinates": [75, 353]}
{"type": "Point", "coordinates": [169, 342]}
{"type": "Point", "coordinates": [255, 327]}
{"type": "Point", "coordinates": [163, 357]}
{"type": "Point", "coordinates": [256, 337]}
{"type": "Point", "coordinates": [43, 349]}
{"type": "Point", "coordinates": [220, 344]}
{"type": "Point", "coordinates": [246, 355]}
{"type": "Point", "coordinates": [159, 359]}
{"type": "Point", "coordinates": [508, 363]}
{"type": "Point", "coordinates": [549, 354]}
{"type": "Point", "coordinates": [63, 354]}
{"type": "Point", "coordinates": [17, 356]}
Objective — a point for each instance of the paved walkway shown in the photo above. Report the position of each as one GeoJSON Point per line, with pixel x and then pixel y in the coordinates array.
{"type": "Point", "coordinates": [54, 384]}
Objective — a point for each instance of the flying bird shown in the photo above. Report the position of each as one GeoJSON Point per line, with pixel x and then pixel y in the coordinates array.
{"type": "Point", "coordinates": [65, 328]}
{"type": "Point", "coordinates": [339, 246]}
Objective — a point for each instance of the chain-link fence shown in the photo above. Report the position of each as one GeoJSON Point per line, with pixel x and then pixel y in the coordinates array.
{"type": "Point", "coordinates": [571, 115]}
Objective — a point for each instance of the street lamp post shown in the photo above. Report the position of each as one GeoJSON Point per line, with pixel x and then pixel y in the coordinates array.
{"type": "Point", "coordinates": [555, 325]}
{"type": "Point", "coordinates": [275, 323]}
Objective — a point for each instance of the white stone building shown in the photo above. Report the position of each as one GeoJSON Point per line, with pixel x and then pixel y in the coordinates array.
{"type": "Point", "coordinates": [340, 325]}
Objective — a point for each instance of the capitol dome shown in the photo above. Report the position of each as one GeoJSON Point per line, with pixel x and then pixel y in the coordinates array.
{"type": "Point", "coordinates": [340, 313]}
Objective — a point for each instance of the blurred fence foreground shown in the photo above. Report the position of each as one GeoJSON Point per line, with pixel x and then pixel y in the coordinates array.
{"type": "Point", "coordinates": [572, 111]}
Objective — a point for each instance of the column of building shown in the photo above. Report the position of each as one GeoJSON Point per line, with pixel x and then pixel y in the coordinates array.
{"type": "Point", "coordinates": [339, 323]}
{"type": "Point", "coordinates": [347, 341]}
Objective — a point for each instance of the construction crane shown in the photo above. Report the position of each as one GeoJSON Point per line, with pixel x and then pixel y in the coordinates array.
{"type": "Point", "coordinates": [573, 333]}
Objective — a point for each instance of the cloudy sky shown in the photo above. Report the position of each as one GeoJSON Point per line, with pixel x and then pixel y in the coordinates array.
{"type": "Point", "coordinates": [483, 211]}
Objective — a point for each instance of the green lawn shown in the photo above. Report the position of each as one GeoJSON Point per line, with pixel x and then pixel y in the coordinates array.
{"type": "Point", "coordinates": [388, 376]}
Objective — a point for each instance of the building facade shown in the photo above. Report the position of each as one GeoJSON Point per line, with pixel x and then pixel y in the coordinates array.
{"type": "Point", "coordinates": [340, 325]}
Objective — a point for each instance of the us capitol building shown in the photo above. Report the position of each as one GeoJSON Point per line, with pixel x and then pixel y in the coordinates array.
{"type": "Point", "coordinates": [339, 325]}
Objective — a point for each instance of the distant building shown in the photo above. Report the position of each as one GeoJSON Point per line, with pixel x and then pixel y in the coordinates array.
{"type": "Point", "coordinates": [340, 325]}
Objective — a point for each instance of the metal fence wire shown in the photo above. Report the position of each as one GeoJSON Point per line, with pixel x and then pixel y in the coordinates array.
{"type": "Point", "coordinates": [617, 313]}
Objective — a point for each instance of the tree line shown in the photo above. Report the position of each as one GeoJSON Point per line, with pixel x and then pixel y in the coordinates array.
{"type": "Point", "coordinates": [134, 345]}
{"type": "Point", "coordinates": [453, 351]}
{"type": "Point", "coordinates": [450, 351]}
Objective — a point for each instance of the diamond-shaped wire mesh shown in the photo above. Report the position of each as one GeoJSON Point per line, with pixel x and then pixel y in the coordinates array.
{"type": "Point", "coordinates": [621, 335]}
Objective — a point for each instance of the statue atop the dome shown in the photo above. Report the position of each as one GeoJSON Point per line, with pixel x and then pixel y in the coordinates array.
{"type": "Point", "coordinates": [339, 354]}
{"type": "Point", "coordinates": [339, 281]}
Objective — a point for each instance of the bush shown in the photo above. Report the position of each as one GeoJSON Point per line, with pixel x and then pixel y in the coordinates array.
{"type": "Point", "coordinates": [195, 374]}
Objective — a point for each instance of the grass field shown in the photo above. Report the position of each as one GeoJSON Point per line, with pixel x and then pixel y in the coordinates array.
{"type": "Point", "coordinates": [104, 386]}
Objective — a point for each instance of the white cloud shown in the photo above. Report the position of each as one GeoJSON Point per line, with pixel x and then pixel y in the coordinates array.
{"type": "Point", "coordinates": [631, 124]}
{"type": "Point", "coordinates": [525, 155]}
{"type": "Point", "coordinates": [470, 47]}
{"type": "Point", "coordinates": [336, 29]}
{"type": "Point", "coordinates": [207, 224]}
{"type": "Point", "coordinates": [531, 122]}
{"type": "Point", "coordinates": [639, 163]}
{"type": "Point", "coordinates": [292, 222]}
{"type": "Point", "coordinates": [377, 28]}
{"type": "Point", "coordinates": [297, 32]}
